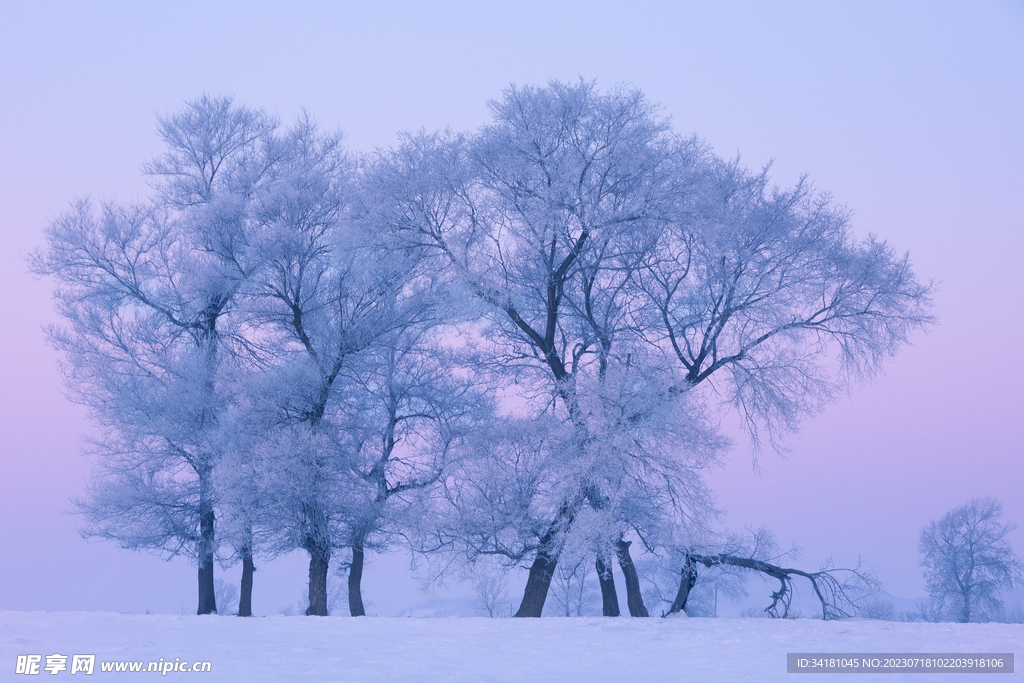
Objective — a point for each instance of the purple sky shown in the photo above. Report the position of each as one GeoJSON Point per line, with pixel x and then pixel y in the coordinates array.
{"type": "Point", "coordinates": [913, 116]}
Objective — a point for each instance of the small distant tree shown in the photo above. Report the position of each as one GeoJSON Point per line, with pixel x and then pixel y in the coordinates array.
{"type": "Point", "coordinates": [569, 586]}
{"type": "Point", "coordinates": [490, 584]}
{"type": "Point", "coordinates": [968, 560]}
{"type": "Point", "coordinates": [227, 596]}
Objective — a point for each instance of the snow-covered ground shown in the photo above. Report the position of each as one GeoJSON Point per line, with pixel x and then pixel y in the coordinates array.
{"type": "Point", "coordinates": [281, 648]}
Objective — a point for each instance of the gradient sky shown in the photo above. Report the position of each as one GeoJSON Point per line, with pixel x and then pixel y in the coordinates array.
{"type": "Point", "coordinates": [911, 114]}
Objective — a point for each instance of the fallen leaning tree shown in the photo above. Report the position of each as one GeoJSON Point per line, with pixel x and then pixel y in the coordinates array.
{"type": "Point", "coordinates": [839, 598]}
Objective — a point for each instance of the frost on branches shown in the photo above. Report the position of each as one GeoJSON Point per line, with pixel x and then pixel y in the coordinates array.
{"type": "Point", "coordinates": [511, 344]}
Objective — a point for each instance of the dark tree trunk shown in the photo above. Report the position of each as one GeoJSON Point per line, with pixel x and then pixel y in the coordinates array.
{"type": "Point", "coordinates": [204, 470]}
{"type": "Point", "coordinates": [609, 598]}
{"type": "Point", "coordinates": [245, 597]}
{"type": "Point", "coordinates": [543, 568]}
{"type": "Point", "coordinates": [355, 577]}
{"type": "Point", "coordinates": [207, 599]}
{"type": "Point", "coordinates": [689, 577]}
{"type": "Point", "coordinates": [634, 599]}
{"type": "Point", "coordinates": [319, 560]}
{"type": "Point", "coordinates": [537, 584]}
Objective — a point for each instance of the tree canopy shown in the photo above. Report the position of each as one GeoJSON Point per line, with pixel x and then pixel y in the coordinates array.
{"type": "Point", "coordinates": [503, 343]}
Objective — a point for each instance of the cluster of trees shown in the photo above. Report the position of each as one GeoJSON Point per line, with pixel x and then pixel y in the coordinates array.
{"type": "Point", "coordinates": [511, 344]}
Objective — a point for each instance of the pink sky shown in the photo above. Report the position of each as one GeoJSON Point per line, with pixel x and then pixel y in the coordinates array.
{"type": "Point", "coordinates": [913, 116]}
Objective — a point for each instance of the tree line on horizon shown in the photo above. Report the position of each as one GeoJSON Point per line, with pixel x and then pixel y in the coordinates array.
{"type": "Point", "coordinates": [513, 344]}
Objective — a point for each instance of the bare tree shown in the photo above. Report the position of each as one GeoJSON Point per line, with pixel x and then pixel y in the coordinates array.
{"type": "Point", "coordinates": [838, 590]}
{"type": "Point", "coordinates": [841, 592]}
{"type": "Point", "coordinates": [569, 586]}
{"type": "Point", "coordinates": [968, 560]}
{"type": "Point", "coordinates": [227, 595]}
{"type": "Point", "coordinates": [490, 584]}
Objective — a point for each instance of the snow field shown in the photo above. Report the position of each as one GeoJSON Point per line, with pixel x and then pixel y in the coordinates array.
{"type": "Point", "coordinates": [594, 650]}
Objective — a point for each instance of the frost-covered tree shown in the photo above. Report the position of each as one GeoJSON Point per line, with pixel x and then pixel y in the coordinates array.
{"type": "Point", "coordinates": [767, 303]}
{"type": "Point", "coordinates": [544, 217]}
{"type": "Point", "coordinates": [357, 396]}
{"type": "Point", "coordinates": [411, 415]}
{"type": "Point", "coordinates": [247, 524]}
{"type": "Point", "coordinates": [490, 584]}
{"type": "Point", "coordinates": [841, 592]}
{"type": "Point", "coordinates": [299, 342]}
{"type": "Point", "coordinates": [572, 593]}
{"type": "Point", "coordinates": [764, 297]}
{"type": "Point", "coordinates": [610, 254]}
{"type": "Point", "coordinates": [311, 307]}
{"type": "Point", "coordinates": [968, 560]}
{"type": "Point", "coordinates": [146, 293]}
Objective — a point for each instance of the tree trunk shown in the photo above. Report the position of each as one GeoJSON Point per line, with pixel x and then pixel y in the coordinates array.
{"type": "Point", "coordinates": [634, 599]}
{"type": "Point", "coordinates": [543, 568]}
{"type": "Point", "coordinates": [245, 596]}
{"type": "Point", "coordinates": [537, 584]}
{"type": "Point", "coordinates": [609, 598]}
{"type": "Point", "coordinates": [207, 599]}
{"type": "Point", "coordinates": [319, 560]}
{"type": "Point", "coordinates": [689, 577]}
{"type": "Point", "coordinates": [355, 577]}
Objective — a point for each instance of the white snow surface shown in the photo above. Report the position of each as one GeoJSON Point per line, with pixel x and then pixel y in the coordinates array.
{"type": "Point", "coordinates": [299, 648]}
